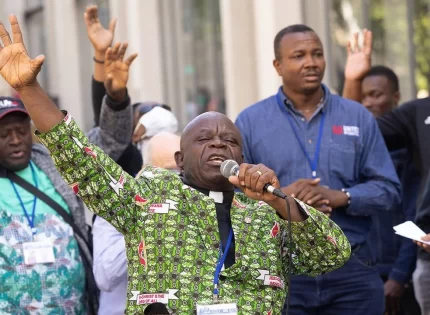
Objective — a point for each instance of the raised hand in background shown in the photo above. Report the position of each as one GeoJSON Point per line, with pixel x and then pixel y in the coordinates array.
{"type": "Point", "coordinates": [116, 71]}
{"type": "Point", "coordinates": [358, 63]}
{"type": "Point", "coordinates": [100, 38]}
{"type": "Point", "coordinates": [359, 58]}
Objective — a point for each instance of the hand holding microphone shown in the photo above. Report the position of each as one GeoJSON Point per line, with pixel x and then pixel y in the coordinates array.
{"type": "Point", "coordinates": [258, 182]}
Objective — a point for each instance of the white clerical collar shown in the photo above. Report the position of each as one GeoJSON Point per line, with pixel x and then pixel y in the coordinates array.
{"type": "Point", "coordinates": [217, 196]}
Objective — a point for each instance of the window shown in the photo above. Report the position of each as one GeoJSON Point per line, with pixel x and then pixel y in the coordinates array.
{"type": "Point", "coordinates": [193, 56]}
{"type": "Point", "coordinates": [391, 22]}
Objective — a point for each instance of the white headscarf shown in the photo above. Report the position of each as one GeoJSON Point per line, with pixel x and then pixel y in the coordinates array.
{"type": "Point", "coordinates": [155, 121]}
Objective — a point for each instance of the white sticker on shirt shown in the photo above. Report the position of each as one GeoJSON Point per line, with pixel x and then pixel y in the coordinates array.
{"type": "Point", "coordinates": [351, 131]}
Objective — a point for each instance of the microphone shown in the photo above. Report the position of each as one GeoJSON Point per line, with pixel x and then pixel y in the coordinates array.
{"type": "Point", "coordinates": [231, 168]}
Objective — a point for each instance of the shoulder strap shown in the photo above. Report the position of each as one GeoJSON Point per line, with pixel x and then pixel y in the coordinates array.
{"type": "Point", "coordinates": [49, 201]}
{"type": "Point", "coordinates": [91, 283]}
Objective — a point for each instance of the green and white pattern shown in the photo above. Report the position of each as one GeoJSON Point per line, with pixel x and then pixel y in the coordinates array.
{"type": "Point", "coordinates": [53, 288]}
{"type": "Point", "coordinates": [172, 238]}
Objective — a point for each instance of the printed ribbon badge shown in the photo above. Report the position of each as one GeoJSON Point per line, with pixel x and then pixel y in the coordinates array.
{"type": "Point", "coordinates": [275, 230]}
{"type": "Point", "coordinates": [141, 250]}
{"type": "Point", "coordinates": [163, 207]}
{"type": "Point", "coordinates": [269, 280]}
{"type": "Point", "coordinates": [154, 297]}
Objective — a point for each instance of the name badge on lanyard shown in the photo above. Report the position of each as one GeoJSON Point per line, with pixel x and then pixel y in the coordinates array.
{"type": "Point", "coordinates": [217, 308]}
{"type": "Point", "coordinates": [313, 163]}
{"type": "Point", "coordinates": [39, 251]}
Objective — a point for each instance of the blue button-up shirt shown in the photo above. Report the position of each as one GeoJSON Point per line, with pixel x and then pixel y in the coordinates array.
{"type": "Point", "coordinates": [353, 154]}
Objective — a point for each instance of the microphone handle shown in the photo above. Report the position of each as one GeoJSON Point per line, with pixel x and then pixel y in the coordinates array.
{"type": "Point", "coordinates": [274, 191]}
{"type": "Point", "coordinates": [269, 188]}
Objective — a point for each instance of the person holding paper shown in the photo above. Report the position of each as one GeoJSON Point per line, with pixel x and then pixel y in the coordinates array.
{"type": "Point", "coordinates": [190, 239]}
{"type": "Point", "coordinates": [425, 209]}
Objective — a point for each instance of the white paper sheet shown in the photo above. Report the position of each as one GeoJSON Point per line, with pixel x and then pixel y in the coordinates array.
{"type": "Point", "coordinates": [410, 230]}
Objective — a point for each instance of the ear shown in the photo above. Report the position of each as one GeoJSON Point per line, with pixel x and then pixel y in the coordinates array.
{"type": "Point", "coordinates": [396, 97]}
{"type": "Point", "coordinates": [277, 66]}
{"type": "Point", "coordinates": [179, 159]}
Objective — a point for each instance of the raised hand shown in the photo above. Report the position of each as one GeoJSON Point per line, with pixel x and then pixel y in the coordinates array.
{"type": "Point", "coordinates": [100, 38]}
{"type": "Point", "coordinates": [16, 67]}
{"type": "Point", "coordinates": [359, 59]}
{"type": "Point", "coordinates": [117, 70]}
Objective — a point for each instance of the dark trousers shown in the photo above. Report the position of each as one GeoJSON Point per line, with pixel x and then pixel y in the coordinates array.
{"type": "Point", "coordinates": [354, 289]}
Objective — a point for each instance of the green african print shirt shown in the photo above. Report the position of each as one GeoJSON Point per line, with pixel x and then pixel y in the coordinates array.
{"type": "Point", "coordinates": [172, 238]}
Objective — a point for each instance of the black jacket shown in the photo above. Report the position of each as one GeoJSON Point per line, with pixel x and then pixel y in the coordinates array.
{"type": "Point", "coordinates": [409, 127]}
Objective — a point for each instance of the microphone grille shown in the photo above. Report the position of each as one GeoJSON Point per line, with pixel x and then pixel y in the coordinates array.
{"type": "Point", "coordinates": [228, 167]}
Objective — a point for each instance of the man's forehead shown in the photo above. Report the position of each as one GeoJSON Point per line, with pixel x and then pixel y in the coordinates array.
{"type": "Point", "coordinates": [375, 82]}
{"type": "Point", "coordinates": [300, 40]}
{"type": "Point", "coordinates": [209, 122]}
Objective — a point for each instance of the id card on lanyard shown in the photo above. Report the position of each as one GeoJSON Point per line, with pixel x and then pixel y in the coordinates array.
{"type": "Point", "coordinates": [216, 308]}
{"type": "Point", "coordinates": [313, 163]}
{"type": "Point", "coordinates": [37, 251]}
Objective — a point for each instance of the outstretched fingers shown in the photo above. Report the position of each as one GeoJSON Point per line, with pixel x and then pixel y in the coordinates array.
{"type": "Point", "coordinates": [108, 57]}
{"type": "Point", "coordinates": [37, 62]}
{"type": "Point", "coordinates": [112, 26]}
{"type": "Point", "coordinates": [4, 35]}
{"type": "Point", "coordinates": [16, 30]}
{"type": "Point", "coordinates": [90, 15]}
{"type": "Point", "coordinates": [367, 42]}
{"type": "Point", "coordinates": [130, 59]}
{"type": "Point", "coordinates": [122, 51]}
{"type": "Point", "coordinates": [355, 46]}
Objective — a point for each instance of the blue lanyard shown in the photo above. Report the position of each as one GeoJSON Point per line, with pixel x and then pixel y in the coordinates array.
{"type": "Point", "coordinates": [30, 221]}
{"type": "Point", "coordinates": [312, 163]}
{"type": "Point", "coordinates": [221, 260]}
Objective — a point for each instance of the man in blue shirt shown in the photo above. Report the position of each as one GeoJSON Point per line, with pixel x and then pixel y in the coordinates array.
{"type": "Point", "coordinates": [327, 151]}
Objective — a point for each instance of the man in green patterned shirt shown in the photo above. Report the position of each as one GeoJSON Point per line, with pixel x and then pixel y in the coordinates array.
{"type": "Point", "coordinates": [180, 229]}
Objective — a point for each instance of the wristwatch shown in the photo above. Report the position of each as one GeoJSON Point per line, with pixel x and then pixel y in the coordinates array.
{"type": "Point", "coordinates": [347, 194]}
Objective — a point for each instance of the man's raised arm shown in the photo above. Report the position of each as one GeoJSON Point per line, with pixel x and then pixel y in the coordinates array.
{"type": "Point", "coordinates": [116, 123]}
{"type": "Point", "coordinates": [100, 182]}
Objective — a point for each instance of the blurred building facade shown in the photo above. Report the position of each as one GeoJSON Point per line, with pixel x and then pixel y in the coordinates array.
{"type": "Point", "coordinates": [198, 55]}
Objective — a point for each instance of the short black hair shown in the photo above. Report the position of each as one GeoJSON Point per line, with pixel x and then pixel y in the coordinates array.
{"type": "Point", "coordinates": [385, 72]}
{"type": "Point", "coordinates": [295, 28]}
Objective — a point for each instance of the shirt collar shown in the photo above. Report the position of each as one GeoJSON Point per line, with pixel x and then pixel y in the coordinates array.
{"type": "Point", "coordinates": [289, 105]}
{"type": "Point", "coordinates": [218, 196]}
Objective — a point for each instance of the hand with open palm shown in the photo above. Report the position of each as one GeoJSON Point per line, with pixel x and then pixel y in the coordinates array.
{"type": "Point", "coordinates": [359, 59]}
{"type": "Point", "coordinates": [100, 37]}
{"type": "Point", "coordinates": [117, 71]}
{"type": "Point", "coordinates": [16, 67]}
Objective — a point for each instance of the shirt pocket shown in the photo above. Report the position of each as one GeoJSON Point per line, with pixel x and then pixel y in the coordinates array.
{"type": "Point", "coordinates": [343, 163]}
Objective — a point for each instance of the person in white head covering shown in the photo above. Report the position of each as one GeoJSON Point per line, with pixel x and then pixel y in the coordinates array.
{"type": "Point", "coordinates": [153, 121]}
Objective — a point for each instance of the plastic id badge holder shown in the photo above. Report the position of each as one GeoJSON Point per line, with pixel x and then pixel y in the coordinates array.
{"type": "Point", "coordinates": [217, 309]}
